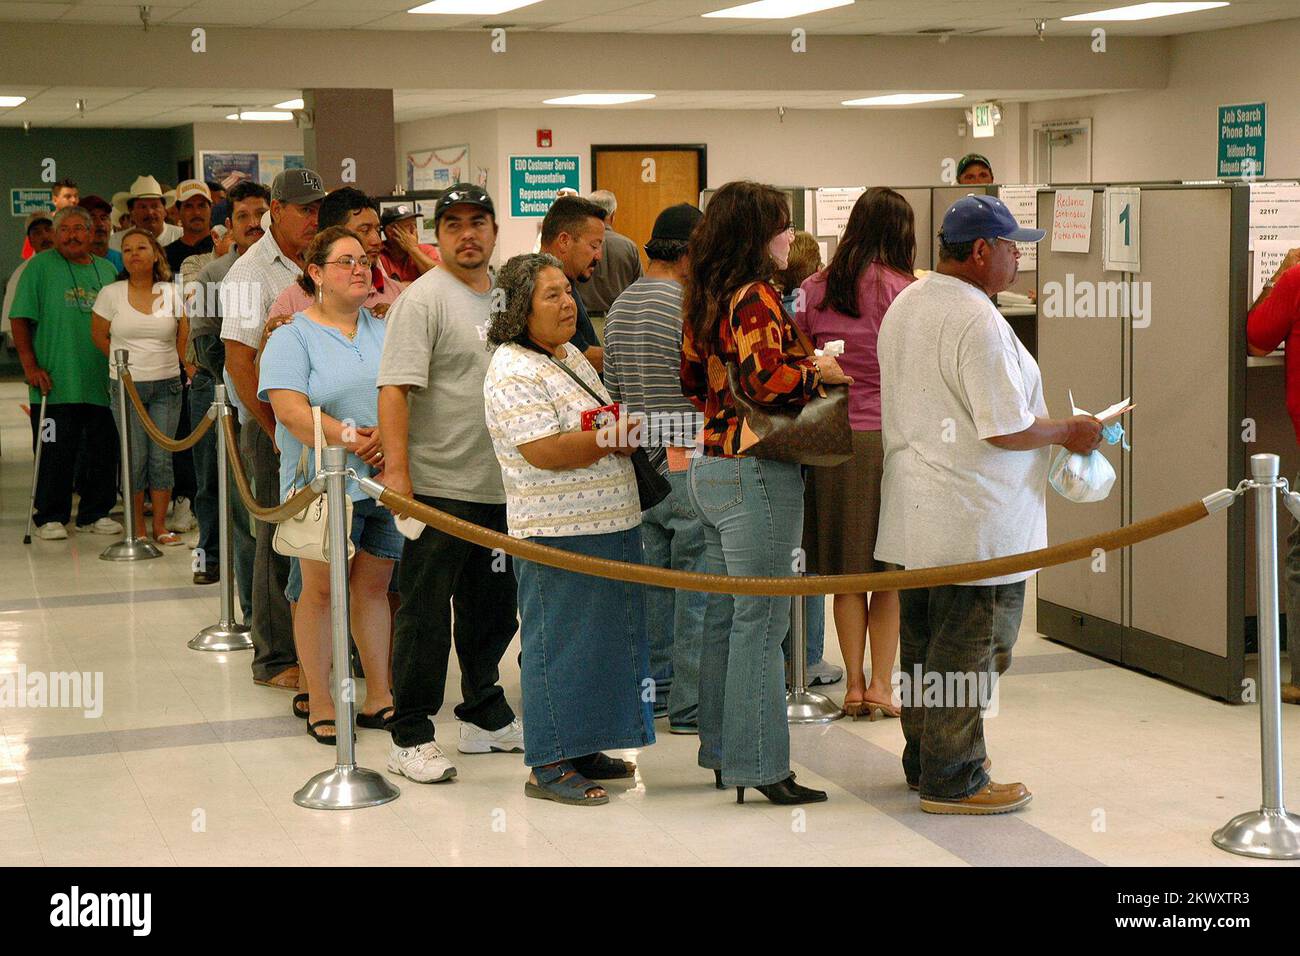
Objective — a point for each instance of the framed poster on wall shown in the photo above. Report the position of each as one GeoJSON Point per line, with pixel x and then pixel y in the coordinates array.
{"type": "Point", "coordinates": [437, 168]}
{"type": "Point", "coordinates": [230, 168]}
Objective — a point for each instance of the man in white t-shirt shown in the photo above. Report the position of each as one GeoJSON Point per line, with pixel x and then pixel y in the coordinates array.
{"type": "Point", "coordinates": [967, 446]}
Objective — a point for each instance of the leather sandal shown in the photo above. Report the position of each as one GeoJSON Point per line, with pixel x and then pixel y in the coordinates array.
{"type": "Point", "coordinates": [562, 784]}
{"type": "Point", "coordinates": [329, 741]}
{"type": "Point", "coordinates": [599, 766]}
{"type": "Point", "coordinates": [287, 679]}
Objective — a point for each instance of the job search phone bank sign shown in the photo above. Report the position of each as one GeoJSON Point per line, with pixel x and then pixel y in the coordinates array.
{"type": "Point", "coordinates": [535, 181]}
{"type": "Point", "coordinates": [1241, 140]}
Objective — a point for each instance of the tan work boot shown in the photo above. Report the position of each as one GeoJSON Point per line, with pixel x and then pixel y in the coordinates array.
{"type": "Point", "coordinates": [994, 798]}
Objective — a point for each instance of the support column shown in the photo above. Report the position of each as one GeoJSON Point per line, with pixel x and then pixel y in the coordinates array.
{"type": "Point", "coordinates": [352, 132]}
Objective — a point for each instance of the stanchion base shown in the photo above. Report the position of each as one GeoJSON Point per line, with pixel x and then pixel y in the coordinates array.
{"type": "Point", "coordinates": [345, 788]}
{"type": "Point", "coordinates": [1264, 834]}
{"type": "Point", "coordinates": [222, 636]}
{"type": "Point", "coordinates": [805, 707]}
{"type": "Point", "coordinates": [137, 549]}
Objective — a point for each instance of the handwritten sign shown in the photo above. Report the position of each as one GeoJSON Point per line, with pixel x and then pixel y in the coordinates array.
{"type": "Point", "coordinates": [1072, 220]}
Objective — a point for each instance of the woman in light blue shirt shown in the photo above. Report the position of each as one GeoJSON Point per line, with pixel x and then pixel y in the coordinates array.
{"type": "Point", "coordinates": [328, 356]}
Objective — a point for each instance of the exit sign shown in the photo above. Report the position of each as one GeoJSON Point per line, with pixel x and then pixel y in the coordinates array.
{"type": "Point", "coordinates": [982, 128]}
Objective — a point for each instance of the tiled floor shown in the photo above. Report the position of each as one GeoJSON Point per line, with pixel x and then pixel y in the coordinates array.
{"type": "Point", "coordinates": [191, 764]}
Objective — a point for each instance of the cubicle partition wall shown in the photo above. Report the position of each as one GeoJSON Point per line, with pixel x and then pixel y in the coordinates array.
{"type": "Point", "coordinates": [1175, 605]}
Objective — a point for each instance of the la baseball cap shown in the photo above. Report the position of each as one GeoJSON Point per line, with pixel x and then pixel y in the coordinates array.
{"type": "Point", "coordinates": [463, 193]}
{"type": "Point", "coordinates": [984, 217]}
{"type": "Point", "coordinates": [297, 186]}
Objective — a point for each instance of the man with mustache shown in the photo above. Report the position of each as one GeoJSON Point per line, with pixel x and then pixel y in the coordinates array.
{"type": "Point", "coordinates": [436, 447]}
{"type": "Point", "coordinates": [574, 232]}
{"type": "Point", "coordinates": [145, 204]}
{"type": "Point", "coordinates": [202, 276]}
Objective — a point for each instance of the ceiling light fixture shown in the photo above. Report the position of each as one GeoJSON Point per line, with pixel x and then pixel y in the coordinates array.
{"type": "Point", "coordinates": [480, 8]}
{"type": "Point", "coordinates": [598, 99]}
{"type": "Point", "coordinates": [1148, 11]}
{"type": "Point", "coordinates": [777, 9]}
{"type": "Point", "coordinates": [7, 102]}
{"type": "Point", "coordinates": [261, 116]}
{"type": "Point", "coordinates": [290, 105]}
{"type": "Point", "coordinates": [902, 99]}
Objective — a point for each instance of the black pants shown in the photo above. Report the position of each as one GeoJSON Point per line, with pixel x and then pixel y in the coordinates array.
{"type": "Point", "coordinates": [81, 447]}
{"type": "Point", "coordinates": [185, 479]}
{"type": "Point", "coordinates": [273, 649]}
{"type": "Point", "coordinates": [439, 573]}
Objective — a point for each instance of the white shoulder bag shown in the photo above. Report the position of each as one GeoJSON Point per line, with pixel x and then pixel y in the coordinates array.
{"type": "Point", "coordinates": [306, 535]}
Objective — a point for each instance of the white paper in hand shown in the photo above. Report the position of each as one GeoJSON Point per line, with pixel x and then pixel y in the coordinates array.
{"type": "Point", "coordinates": [411, 528]}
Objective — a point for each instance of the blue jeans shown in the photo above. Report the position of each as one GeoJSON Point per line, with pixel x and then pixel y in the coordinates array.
{"type": "Point", "coordinates": [752, 511]}
{"type": "Point", "coordinates": [584, 677]}
{"type": "Point", "coordinates": [673, 537]}
{"type": "Point", "coordinates": [151, 466]}
{"type": "Point", "coordinates": [202, 390]}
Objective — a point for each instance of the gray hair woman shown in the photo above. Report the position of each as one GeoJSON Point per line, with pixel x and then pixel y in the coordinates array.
{"type": "Point", "coordinates": [569, 484]}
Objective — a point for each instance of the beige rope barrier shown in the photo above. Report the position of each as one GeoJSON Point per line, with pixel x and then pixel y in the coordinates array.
{"type": "Point", "coordinates": [281, 512]}
{"type": "Point", "coordinates": [152, 430]}
{"type": "Point", "coordinates": [801, 585]}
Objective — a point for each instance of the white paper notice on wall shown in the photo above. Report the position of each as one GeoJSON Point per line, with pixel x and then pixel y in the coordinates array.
{"type": "Point", "coordinates": [1264, 260]}
{"type": "Point", "coordinates": [1121, 248]}
{"type": "Point", "coordinates": [1072, 220]}
{"type": "Point", "coordinates": [1022, 201]}
{"type": "Point", "coordinates": [1274, 213]}
{"type": "Point", "coordinates": [833, 207]}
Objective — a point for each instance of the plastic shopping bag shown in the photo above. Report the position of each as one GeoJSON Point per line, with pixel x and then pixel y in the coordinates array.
{"type": "Point", "coordinates": [1085, 478]}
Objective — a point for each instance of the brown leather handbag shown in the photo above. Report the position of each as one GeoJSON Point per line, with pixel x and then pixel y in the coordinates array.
{"type": "Point", "coordinates": [815, 433]}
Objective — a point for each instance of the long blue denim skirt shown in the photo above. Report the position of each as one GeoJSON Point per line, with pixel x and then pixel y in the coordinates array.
{"type": "Point", "coordinates": [585, 675]}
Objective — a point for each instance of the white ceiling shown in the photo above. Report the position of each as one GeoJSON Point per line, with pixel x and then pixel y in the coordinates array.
{"type": "Point", "coordinates": [162, 107]}
{"type": "Point", "coordinates": [865, 17]}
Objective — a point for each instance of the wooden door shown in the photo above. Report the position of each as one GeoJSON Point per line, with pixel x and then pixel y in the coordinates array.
{"type": "Point", "coordinates": [646, 180]}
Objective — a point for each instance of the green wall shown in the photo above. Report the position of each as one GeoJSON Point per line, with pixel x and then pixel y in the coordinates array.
{"type": "Point", "coordinates": [102, 161]}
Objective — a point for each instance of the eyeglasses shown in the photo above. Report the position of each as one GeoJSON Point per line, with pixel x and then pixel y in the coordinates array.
{"type": "Point", "coordinates": [349, 262]}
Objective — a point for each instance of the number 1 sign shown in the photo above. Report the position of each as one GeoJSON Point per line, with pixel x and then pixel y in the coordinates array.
{"type": "Point", "coordinates": [1122, 233]}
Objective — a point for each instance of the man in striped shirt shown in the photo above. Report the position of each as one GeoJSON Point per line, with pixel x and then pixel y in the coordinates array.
{"type": "Point", "coordinates": [643, 354]}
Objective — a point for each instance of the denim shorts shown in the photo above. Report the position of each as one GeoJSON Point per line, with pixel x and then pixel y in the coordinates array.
{"type": "Point", "coordinates": [373, 531]}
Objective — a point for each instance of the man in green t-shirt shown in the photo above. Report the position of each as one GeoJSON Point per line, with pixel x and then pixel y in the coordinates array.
{"type": "Point", "coordinates": [51, 329]}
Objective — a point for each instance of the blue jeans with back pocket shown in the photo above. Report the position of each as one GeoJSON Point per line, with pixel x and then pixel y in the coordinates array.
{"type": "Point", "coordinates": [752, 510]}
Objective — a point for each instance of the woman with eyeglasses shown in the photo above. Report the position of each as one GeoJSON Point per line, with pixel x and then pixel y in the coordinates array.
{"type": "Point", "coordinates": [328, 357]}
{"type": "Point", "coordinates": [751, 508]}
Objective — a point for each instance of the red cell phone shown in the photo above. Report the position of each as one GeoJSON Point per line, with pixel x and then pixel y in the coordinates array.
{"type": "Point", "coordinates": [598, 418]}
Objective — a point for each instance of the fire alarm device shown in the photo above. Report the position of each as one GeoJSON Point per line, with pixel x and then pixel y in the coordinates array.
{"type": "Point", "coordinates": [544, 138]}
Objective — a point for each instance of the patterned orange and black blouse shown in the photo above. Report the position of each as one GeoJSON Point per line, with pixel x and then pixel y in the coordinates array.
{"type": "Point", "coordinates": [774, 367]}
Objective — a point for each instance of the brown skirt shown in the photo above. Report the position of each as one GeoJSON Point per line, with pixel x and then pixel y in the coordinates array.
{"type": "Point", "coordinates": [842, 511]}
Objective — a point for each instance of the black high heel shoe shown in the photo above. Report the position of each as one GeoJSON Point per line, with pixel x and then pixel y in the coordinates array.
{"type": "Point", "coordinates": [786, 793]}
{"type": "Point", "coordinates": [717, 780]}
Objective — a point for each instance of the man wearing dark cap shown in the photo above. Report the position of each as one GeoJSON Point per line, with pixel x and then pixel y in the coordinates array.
{"type": "Point", "coordinates": [405, 258]}
{"type": "Point", "coordinates": [436, 447]}
{"type": "Point", "coordinates": [974, 170]}
{"type": "Point", "coordinates": [247, 292]}
{"type": "Point", "coordinates": [643, 353]}
{"type": "Point", "coordinates": [967, 445]}
{"type": "Point", "coordinates": [101, 212]}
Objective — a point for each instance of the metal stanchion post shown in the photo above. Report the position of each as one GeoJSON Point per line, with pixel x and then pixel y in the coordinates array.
{"type": "Point", "coordinates": [347, 786]}
{"type": "Point", "coordinates": [1269, 832]}
{"type": "Point", "coordinates": [226, 634]}
{"type": "Point", "coordinates": [131, 547]}
{"type": "Point", "coordinates": [803, 706]}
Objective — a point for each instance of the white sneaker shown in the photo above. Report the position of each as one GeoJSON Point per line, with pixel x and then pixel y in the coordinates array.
{"type": "Point", "coordinates": [51, 531]}
{"type": "Point", "coordinates": [106, 526]}
{"type": "Point", "coordinates": [423, 764]}
{"type": "Point", "coordinates": [181, 518]}
{"type": "Point", "coordinates": [824, 672]}
{"type": "Point", "coordinates": [475, 740]}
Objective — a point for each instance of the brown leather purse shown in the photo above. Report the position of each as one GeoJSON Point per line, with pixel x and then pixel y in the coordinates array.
{"type": "Point", "coordinates": [815, 433]}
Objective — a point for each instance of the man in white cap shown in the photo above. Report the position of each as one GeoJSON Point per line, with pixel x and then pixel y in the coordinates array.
{"type": "Point", "coordinates": [195, 204]}
{"type": "Point", "coordinates": [247, 292]}
{"type": "Point", "coordinates": [145, 204]}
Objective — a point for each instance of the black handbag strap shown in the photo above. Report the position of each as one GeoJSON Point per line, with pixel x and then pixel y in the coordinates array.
{"type": "Point", "coordinates": [600, 402]}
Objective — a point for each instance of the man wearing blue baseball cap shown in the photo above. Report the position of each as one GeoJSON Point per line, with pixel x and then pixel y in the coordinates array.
{"type": "Point", "coordinates": [967, 445]}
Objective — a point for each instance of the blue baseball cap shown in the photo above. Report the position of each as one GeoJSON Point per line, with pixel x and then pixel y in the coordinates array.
{"type": "Point", "coordinates": [984, 217]}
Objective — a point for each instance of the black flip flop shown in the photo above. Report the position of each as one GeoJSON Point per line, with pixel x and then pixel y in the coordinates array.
{"type": "Point", "coordinates": [305, 712]}
{"type": "Point", "coordinates": [376, 721]}
{"type": "Point", "coordinates": [329, 741]}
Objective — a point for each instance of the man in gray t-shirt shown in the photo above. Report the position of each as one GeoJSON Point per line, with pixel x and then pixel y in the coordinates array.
{"type": "Point", "coordinates": [436, 448]}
